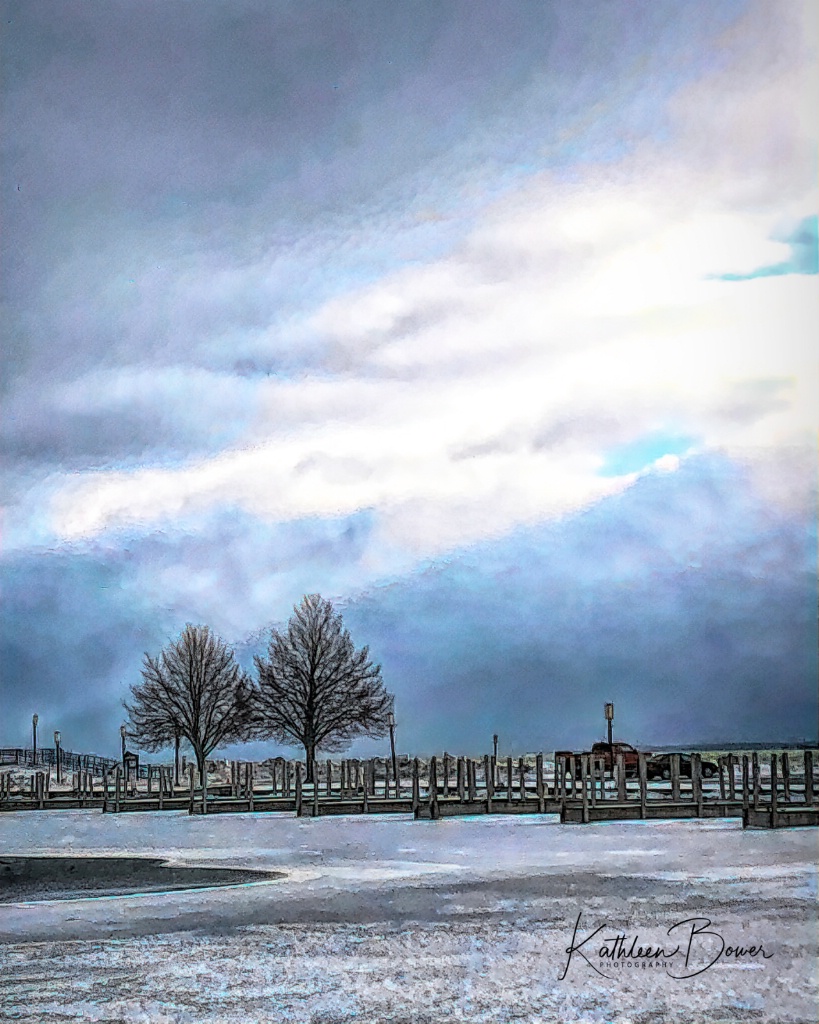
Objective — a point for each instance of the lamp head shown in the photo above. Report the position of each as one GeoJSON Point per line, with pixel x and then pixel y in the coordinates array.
{"type": "Point", "coordinates": [122, 731]}
{"type": "Point", "coordinates": [391, 720]}
{"type": "Point", "coordinates": [57, 737]}
{"type": "Point", "coordinates": [35, 719]}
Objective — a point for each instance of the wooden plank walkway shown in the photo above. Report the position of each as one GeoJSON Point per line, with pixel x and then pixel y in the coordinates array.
{"type": "Point", "coordinates": [574, 813]}
{"type": "Point", "coordinates": [782, 817]}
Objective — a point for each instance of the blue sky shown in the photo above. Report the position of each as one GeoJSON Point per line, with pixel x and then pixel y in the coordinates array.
{"type": "Point", "coordinates": [312, 298]}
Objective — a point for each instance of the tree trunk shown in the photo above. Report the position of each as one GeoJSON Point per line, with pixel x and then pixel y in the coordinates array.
{"type": "Point", "coordinates": [200, 760]}
{"type": "Point", "coordinates": [310, 754]}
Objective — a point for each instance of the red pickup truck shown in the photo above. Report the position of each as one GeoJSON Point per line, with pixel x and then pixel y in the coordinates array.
{"type": "Point", "coordinates": [607, 754]}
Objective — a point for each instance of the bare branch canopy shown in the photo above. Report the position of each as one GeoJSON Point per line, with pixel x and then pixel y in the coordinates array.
{"type": "Point", "coordinates": [194, 689]}
{"type": "Point", "coordinates": [314, 688]}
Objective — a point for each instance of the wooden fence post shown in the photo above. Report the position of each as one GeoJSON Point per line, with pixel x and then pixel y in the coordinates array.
{"type": "Point", "coordinates": [696, 782]}
{"type": "Point", "coordinates": [445, 775]}
{"type": "Point", "coordinates": [592, 774]}
{"type": "Point", "coordinates": [471, 780]}
{"type": "Point", "coordinates": [786, 777]}
{"type": "Point", "coordinates": [584, 795]}
{"type": "Point", "coordinates": [191, 786]}
{"type": "Point", "coordinates": [117, 779]}
{"type": "Point", "coordinates": [459, 769]}
{"type": "Point", "coordinates": [416, 785]}
{"type": "Point", "coordinates": [675, 778]}
{"type": "Point", "coordinates": [205, 786]}
{"type": "Point", "coordinates": [570, 787]}
{"type": "Point", "coordinates": [366, 786]}
{"type": "Point", "coordinates": [774, 794]}
{"type": "Point", "coordinates": [298, 788]}
{"type": "Point", "coordinates": [541, 799]}
{"type": "Point", "coordinates": [509, 780]}
{"type": "Point", "coordinates": [643, 773]}
{"type": "Point", "coordinates": [621, 777]}
{"type": "Point", "coordinates": [755, 780]}
{"type": "Point", "coordinates": [721, 765]}
{"type": "Point", "coordinates": [745, 780]}
{"type": "Point", "coordinates": [522, 779]}
{"type": "Point", "coordinates": [251, 791]}
{"type": "Point", "coordinates": [329, 778]}
{"type": "Point", "coordinates": [808, 794]}
{"type": "Point", "coordinates": [434, 811]}
{"type": "Point", "coordinates": [489, 779]}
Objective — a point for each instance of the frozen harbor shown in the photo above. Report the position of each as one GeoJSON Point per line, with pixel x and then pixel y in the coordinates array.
{"type": "Point", "coordinates": [384, 919]}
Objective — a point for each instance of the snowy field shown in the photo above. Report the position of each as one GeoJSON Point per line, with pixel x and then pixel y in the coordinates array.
{"type": "Point", "coordinates": [384, 919]}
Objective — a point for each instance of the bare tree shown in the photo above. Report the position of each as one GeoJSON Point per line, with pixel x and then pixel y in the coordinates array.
{"type": "Point", "coordinates": [315, 689]}
{"type": "Point", "coordinates": [194, 689]}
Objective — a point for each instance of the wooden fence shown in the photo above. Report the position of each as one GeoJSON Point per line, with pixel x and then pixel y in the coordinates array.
{"type": "Point", "coordinates": [772, 792]}
{"type": "Point", "coordinates": [46, 757]}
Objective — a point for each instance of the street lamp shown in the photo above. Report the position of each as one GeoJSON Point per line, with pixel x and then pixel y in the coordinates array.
{"type": "Point", "coordinates": [57, 755]}
{"type": "Point", "coordinates": [391, 723]}
{"type": "Point", "coordinates": [34, 720]}
{"type": "Point", "coordinates": [608, 711]}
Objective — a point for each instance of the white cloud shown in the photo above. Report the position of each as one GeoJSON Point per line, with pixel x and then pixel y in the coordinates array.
{"type": "Point", "coordinates": [575, 317]}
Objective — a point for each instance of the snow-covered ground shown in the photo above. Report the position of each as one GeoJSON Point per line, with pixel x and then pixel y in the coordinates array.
{"type": "Point", "coordinates": [386, 919]}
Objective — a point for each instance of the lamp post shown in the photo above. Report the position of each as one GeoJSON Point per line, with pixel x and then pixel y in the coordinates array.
{"type": "Point", "coordinates": [391, 722]}
{"type": "Point", "coordinates": [57, 755]}
{"type": "Point", "coordinates": [123, 732]}
{"type": "Point", "coordinates": [34, 720]}
{"type": "Point", "coordinates": [176, 757]}
{"type": "Point", "coordinates": [608, 710]}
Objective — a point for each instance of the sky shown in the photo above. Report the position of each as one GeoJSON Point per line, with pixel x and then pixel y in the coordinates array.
{"type": "Point", "coordinates": [494, 324]}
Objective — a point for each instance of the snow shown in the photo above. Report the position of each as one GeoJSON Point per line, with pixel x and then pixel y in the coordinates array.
{"type": "Point", "coordinates": [384, 919]}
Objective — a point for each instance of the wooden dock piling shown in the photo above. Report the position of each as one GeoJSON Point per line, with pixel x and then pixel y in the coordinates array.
{"type": "Point", "coordinates": [808, 761]}
{"type": "Point", "coordinates": [642, 771]}
{"type": "Point", "coordinates": [541, 796]}
{"type": "Point", "coordinates": [433, 789]}
{"type": "Point", "coordinates": [489, 778]}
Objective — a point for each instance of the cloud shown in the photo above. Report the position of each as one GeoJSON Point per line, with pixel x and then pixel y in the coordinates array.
{"type": "Point", "coordinates": [689, 599]}
{"type": "Point", "coordinates": [803, 259]}
{"type": "Point", "coordinates": [493, 374]}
